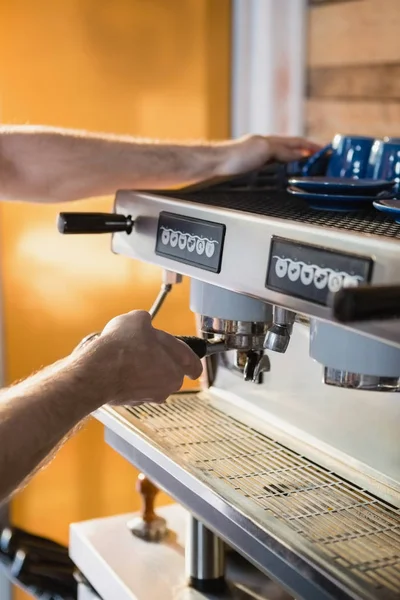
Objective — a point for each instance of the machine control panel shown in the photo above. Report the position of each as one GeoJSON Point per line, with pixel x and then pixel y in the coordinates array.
{"type": "Point", "coordinates": [311, 272]}
{"type": "Point", "coordinates": [191, 241]}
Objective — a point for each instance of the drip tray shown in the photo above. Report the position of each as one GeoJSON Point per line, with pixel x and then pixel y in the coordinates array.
{"type": "Point", "coordinates": [333, 531]}
{"type": "Point", "coordinates": [280, 205]}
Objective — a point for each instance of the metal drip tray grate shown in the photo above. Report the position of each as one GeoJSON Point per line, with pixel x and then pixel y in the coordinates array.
{"type": "Point", "coordinates": [271, 203]}
{"type": "Point", "coordinates": [353, 528]}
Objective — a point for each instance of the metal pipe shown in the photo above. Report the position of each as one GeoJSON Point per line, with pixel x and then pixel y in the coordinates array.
{"type": "Point", "coordinates": [204, 558]}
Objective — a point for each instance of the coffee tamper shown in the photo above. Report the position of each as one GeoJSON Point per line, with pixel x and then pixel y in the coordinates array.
{"type": "Point", "coordinates": [148, 526]}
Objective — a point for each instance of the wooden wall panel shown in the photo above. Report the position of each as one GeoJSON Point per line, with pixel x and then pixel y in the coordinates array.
{"type": "Point", "coordinates": [327, 117]}
{"type": "Point", "coordinates": [353, 79]}
{"type": "Point", "coordinates": [360, 82]}
{"type": "Point", "coordinates": [362, 32]}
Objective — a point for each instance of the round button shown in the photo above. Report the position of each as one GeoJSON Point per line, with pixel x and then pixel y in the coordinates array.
{"type": "Point", "coordinates": [200, 246]}
{"type": "Point", "coordinates": [320, 278]}
{"type": "Point", "coordinates": [281, 267]}
{"type": "Point", "coordinates": [335, 282]}
{"type": "Point", "coordinates": [350, 281]}
{"type": "Point", "coordinates": [174, 239]}
{"type": "Point", "coordinates": [165, 237]}
{"type": "Point", "coordinates": [307, 274]}
{"type": "Point", "coordinates": [210, 249]}
{"type": "Point", "coordinates": [294, 271]}
{"type": "Point", "coordinates": [182, 241]}
{"type": "Point", "coordinates": [191, 243]}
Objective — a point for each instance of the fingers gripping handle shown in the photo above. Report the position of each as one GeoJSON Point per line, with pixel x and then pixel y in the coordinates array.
{"type": "Point", "coordinates": [198, 345]}
{"type": "Point", "coordinates": [83, 223]}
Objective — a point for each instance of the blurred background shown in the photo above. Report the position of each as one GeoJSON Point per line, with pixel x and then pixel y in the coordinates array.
{"type": "Point", "coordinates": [161, 69]}
{"type": "Point", "coordinates": [139, 67]}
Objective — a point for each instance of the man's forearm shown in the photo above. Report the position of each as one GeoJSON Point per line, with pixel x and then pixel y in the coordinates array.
{"type": "Point", "coordinates": [36, 414]}
{"type": "Point", "coordinates": [45, 164]}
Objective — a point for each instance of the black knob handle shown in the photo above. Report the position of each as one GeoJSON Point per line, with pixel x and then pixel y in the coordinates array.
{"type": "Point", "coordinates": [198, 345]}
{"type": "Point", "coordinates": [366, 303]}
{"type": "Point", "coordinates": [81, 222]}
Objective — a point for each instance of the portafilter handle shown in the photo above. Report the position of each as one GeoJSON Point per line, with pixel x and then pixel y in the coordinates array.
{"type": "Point", "coordinates": [366, 303]}
{"type": "Point", "coordinates": [199, 346]}
{"type": "Point", "coordinates": [89, 223]}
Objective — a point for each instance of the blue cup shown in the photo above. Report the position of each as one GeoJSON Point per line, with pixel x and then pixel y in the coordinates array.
{"type": "Point", "coordinates": [346, 156]}
{"type": "Point", "coordinates": [384, 162]}
{"type": "Point", "coordinates": [350, 156]}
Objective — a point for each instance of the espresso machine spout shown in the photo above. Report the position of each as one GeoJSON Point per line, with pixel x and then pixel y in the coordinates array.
{"type": "Point", "coordinates": [278, 335]}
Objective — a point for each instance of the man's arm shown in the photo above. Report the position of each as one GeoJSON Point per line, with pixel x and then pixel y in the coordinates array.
{"type": "Point", "coordinates": [35, 416]}
{"type": "Point", "coordinates": [130, 363]}
{"type": "Point", "coordinates": [43, 164]}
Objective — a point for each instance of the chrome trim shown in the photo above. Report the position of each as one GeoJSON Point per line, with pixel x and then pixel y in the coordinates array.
{"type": "Point", "coordinates": [358, 381]}
{"type": "Point", "coordinates": [237, 335]}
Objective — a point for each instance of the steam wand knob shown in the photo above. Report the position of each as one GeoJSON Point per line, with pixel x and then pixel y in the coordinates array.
{"type": "Point", "coordinates": [366, 303]}
{"type": "Point", "coordinates": [84, 223]}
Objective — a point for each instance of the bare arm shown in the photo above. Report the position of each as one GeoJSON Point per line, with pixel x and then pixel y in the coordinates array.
{"type": "Point", "coordinates": [129, 363]}
{"type": "Point", "coordinates": [35, 416]}
{"type": "Point", "coordinates": [43, 164]}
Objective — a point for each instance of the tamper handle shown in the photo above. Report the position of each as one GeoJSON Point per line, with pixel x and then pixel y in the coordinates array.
{"type": "Point", "coordinates": [148, 526]}
{"type": "Point", "coordinates": [366, 303]}
{"type": "Point", "coordinates": [148, 492]}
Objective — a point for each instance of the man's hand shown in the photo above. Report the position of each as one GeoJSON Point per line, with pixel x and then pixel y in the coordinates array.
{"type": "Point", "coordinates": [136, 363]}
{"type": "Point", "coordinates": [252, 152]}
{"type": "Point", "coordinates": [129, 363]}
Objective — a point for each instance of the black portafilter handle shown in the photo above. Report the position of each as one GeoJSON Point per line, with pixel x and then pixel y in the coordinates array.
{"type": "Point", "coordinates": [84, 223]}
{"type": "Point", "coordinates": [198, 345]}
{"type": "Point", "coordinates": [366, 303]}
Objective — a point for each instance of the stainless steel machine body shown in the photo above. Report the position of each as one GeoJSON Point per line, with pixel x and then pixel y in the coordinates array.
{"type": "Point", "coordinates": [300, 477]}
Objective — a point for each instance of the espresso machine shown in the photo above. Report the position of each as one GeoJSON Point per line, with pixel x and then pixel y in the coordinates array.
{"type": "Point", "coordinates": [285, 464]}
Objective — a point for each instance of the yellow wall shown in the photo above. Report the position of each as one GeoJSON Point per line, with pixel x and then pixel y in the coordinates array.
{"type": "Point", "coordinates": [146, 67]}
